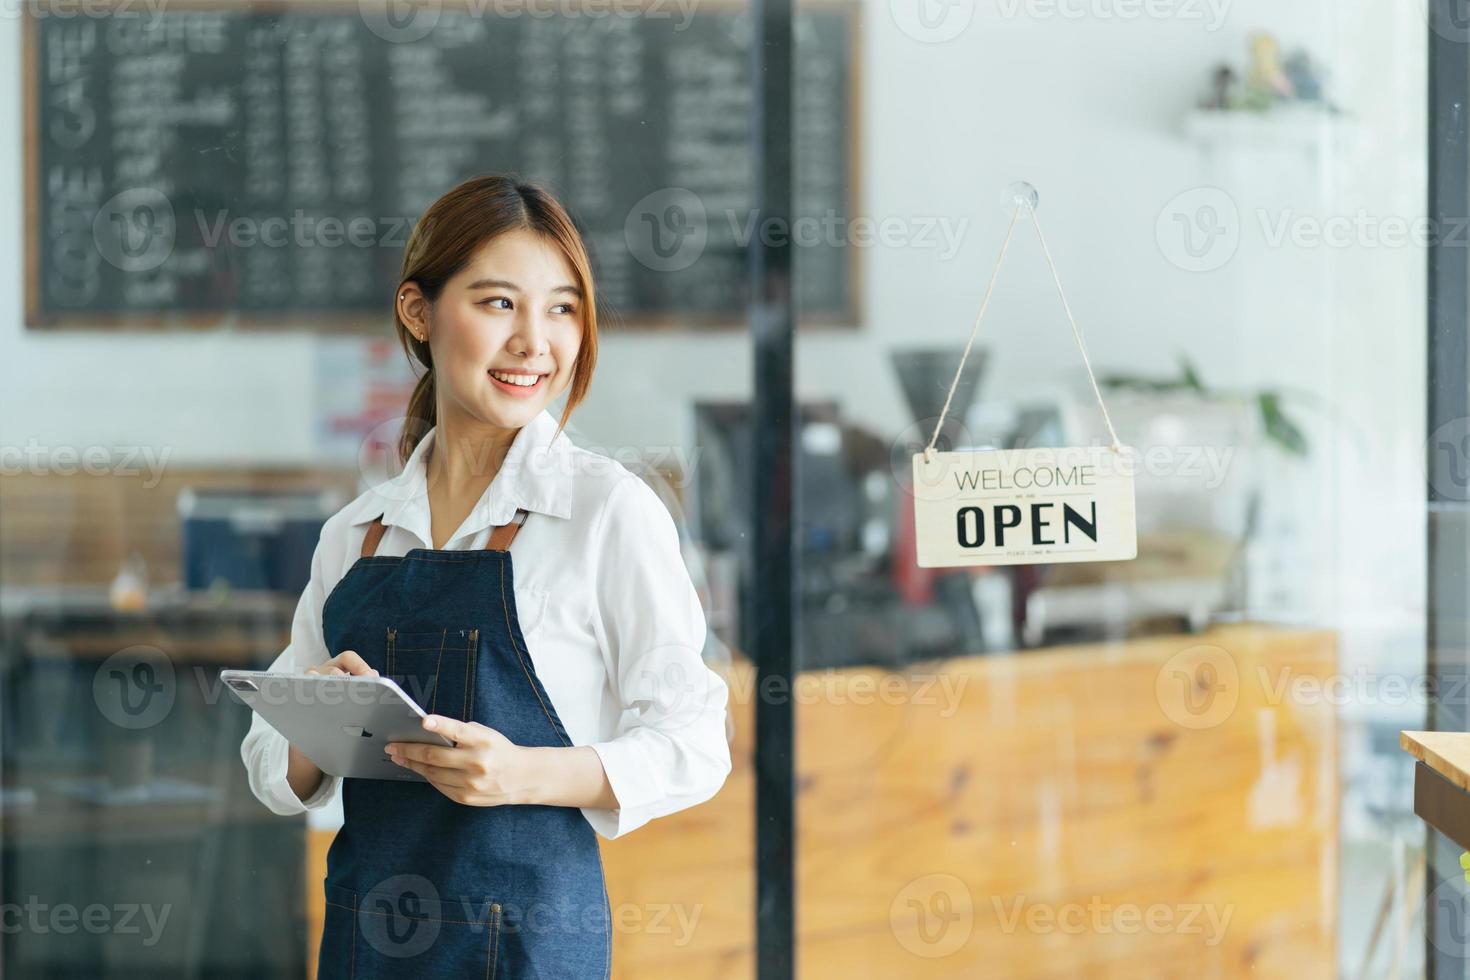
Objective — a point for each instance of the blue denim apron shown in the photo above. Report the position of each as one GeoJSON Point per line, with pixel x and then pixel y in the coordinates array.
{"type": "Point", "coordinates": [418, 885]}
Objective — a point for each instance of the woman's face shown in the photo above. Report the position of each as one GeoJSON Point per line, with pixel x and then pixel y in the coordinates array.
{"type": "Point", "coordinates": [514, 313]}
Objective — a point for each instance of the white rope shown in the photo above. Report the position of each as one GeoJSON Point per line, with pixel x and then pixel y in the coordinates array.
{"type": "Point", "coordinates": [1076, 331]}
{"type": "Point", "coordinates": [994, 275]}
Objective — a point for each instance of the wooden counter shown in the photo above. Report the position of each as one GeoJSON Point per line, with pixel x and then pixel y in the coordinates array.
{"type": "Point", "coordinates": [1159, 807]}
{"type": "Point", "coordinates": [1442, 781]}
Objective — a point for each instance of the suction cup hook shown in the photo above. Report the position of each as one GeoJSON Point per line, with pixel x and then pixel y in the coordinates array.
{"type": "Point", "coordinates": [1020, 194]}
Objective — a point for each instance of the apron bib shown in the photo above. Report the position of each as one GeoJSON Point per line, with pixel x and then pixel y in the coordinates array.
{"type": "Point", "coordinates": [418, 885]}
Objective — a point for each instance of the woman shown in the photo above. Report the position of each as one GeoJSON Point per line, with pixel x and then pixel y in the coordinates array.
{"type": "Point", "coordinates": [569, 678]}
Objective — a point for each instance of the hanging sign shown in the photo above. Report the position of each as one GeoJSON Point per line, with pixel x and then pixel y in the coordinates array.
{"type": "Point", "coordinates": [1023, 506]}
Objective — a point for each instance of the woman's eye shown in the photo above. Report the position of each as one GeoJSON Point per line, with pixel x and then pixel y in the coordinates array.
{"type": "Point", "coordinates": [497, 299]}
{"type": "Point", "coordinates": [565, 307]}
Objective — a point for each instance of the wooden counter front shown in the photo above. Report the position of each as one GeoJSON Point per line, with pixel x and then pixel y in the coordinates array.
{"type": "Point", "coordinates": [1442, 781]}
{"type": "Point", "coordinates": [1160, 807]}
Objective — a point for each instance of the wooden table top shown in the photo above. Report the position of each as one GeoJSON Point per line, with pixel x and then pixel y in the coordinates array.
{"type": "Point", "coordinates": [1447, 753]}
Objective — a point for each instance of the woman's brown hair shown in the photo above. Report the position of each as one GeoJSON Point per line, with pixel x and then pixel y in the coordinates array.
{"type": "Point", "coordinates": [442, 244]}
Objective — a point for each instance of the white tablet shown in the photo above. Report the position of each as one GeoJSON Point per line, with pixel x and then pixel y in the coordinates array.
{"type": "Point", "coordinates": [339, 722]}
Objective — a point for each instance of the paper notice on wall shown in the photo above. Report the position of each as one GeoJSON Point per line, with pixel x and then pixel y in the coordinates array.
{"type": "Point", "coordinates": [361, 393]}
{"type": "Point", "coordinates": [1024, 506]}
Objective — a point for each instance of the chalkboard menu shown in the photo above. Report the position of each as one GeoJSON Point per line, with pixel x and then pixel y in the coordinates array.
{"type": "Point", "coordinates": [261, 166]}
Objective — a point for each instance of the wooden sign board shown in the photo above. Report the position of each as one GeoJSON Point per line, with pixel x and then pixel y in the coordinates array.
{"type": "Point", "coordinates": [1024, 506]}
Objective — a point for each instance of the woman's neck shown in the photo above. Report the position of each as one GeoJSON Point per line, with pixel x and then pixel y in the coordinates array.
{"type": "Point", "coordinates": [465, 458]}
{"type": "Point", "coordinates": [461, 463]}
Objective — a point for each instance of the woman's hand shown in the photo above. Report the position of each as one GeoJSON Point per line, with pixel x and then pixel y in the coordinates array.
{"type": "Point", "coordinates": [346, 662]}
{"type": "Point", "coordinates": [484, 768]}
{"type": "Point", "coordinates": [302, 775]}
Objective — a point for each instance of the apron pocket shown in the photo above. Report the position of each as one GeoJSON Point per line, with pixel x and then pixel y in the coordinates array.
{"type": "Point", "coordinates": [400, 929]}
{"type": "Point", "coordinates": [435, 667]}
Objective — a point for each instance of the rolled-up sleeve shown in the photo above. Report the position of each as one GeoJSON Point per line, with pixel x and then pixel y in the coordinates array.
{"type": "Point", "coordinates": [265, 750]}
{"type": "Point", "coordinates": [670, 751]}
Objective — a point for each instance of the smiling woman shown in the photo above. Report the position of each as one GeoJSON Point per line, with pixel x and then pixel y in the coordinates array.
{"type": "Point", "coordinates": [527, 286]}
{"type": "Point", "coordinates": [570, 680]}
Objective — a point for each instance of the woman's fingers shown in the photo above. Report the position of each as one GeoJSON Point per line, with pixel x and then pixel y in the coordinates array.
{"type": "Point", "coordinates": [353, 664]}
{"type": "Point", "coordinates": [434, 755]}
{"type": "Point", "coordinates": [438, 775]}
{"type": "Point", "coordinates": [347, 663]}
{"type": "Point", "coordinates": [458, 732]}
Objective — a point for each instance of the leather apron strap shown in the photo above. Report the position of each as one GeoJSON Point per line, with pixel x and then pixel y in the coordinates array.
{"type": "Point", "coordinates": [500, 537]}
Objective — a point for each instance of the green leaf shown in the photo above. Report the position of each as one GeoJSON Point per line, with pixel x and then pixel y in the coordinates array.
{"type": "Point", "coordinates": [1280, 429]}
{"type": "Point", "coordinates": [1191, 376]}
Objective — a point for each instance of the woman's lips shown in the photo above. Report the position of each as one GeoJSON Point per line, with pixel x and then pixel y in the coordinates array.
{"type": "Point", "coordinates": [517, 391]}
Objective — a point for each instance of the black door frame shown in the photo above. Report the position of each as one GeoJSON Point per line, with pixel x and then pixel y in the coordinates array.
{"type": "Point", "coordinates": [772, 607]}
{"type": "Point", "coordinates": [1446, 457]}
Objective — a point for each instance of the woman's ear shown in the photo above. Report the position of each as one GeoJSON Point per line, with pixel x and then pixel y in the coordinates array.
{"type": "Point", "coordinates": [412, 306]}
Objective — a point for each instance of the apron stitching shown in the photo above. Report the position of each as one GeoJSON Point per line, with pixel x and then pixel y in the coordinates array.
{"type": "Point", "coordinates": [492, 967]}
{"type": "Point", "coordinates": [391, 638]}
{"type": "Point", "coordinates": [438, 666]}
{"type": "Point", "coordinates": [352, 960]}
{"type": "Point", "coordinates": [473, 670]}
{"type": "Point", "coordinates": [464, 707]}
{"type": "Point", "coordinates": [519, 656]}
{"type": "Point", "coordinates": [421, 918]}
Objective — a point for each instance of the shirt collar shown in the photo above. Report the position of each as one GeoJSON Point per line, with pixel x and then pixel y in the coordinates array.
{"type": "Point", "coordinates": [536, 475]}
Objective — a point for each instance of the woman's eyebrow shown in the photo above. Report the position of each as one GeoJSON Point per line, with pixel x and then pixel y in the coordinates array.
{"type": "Point", "coordinates": [507, 284]}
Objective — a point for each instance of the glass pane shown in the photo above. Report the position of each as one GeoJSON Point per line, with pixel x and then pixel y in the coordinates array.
{"type": "Point", "coordinates": [1186, 763]}
{"type": "Point", "coordinates": [220, 202]}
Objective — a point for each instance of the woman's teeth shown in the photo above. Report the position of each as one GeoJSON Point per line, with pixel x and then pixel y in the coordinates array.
{"type": "Point", "coordinates": [523, 380]}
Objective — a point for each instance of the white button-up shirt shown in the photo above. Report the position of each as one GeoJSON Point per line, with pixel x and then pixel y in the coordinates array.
{"type": "Point", "coordinates": [611, 618]}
